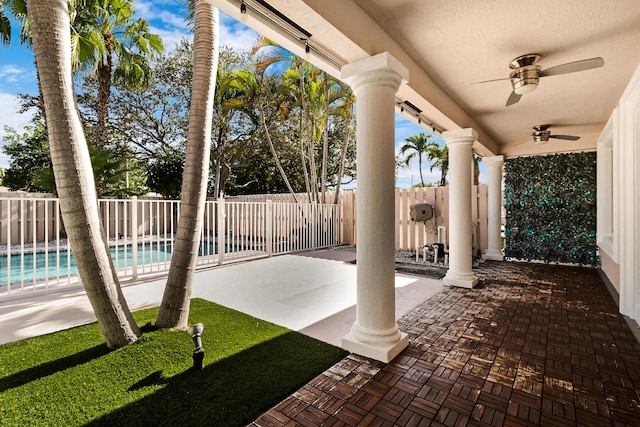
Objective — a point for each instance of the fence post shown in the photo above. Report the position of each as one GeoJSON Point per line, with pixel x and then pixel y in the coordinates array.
{"type": "Point", "coordinates": [134, 237]}
{"type": "Point", "coordinates": [268, 238]}
{"type": "Point", "coordinates": [10, 216]}
{"type": "Point", "coordinates": [221, 227]}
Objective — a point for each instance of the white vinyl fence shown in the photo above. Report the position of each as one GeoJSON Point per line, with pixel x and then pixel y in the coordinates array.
{"type": "Point", "coordinates": [408, 234]}
{"type": "Point", "coordinates": [34, 253]}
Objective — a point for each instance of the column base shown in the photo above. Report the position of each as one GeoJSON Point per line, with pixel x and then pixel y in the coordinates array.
{"type": "Point", "coordinates": [378, 349]}
{"type": "Point", "coordinates": [493, 255]}
{"type": "Point", "coordinates": [461, 280]}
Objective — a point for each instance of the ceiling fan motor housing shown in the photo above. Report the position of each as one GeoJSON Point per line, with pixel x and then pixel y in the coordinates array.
{"type": "Point", "coordinates": [525, 79]}
{"type": "Point", "coordinates": [541, 134]}
{"type": "Point", "coordinates": [541, 137]}
{"type": "Point", "coordinates": [526, 74]}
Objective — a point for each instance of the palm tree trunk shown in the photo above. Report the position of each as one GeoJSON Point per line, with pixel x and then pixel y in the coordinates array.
{"type": "Point", "coordinates": [313, 168]}
{"type": "Point", "coordinates": [277, 159]}
{"type": "Point", "coordinates": [325, 137]}
{"type": "Point", "coordinates": [219, 160]}
{"type": "Point", "coordinates": [303, 158]}
{"type": "Point", "coordinates": [72, 168]}
{"type": "Point", "coordinates": [313, 172]}
{"type": "Point", "coordinates": [104, 90]}
{"type": "Point", "coordinates": [343, 156]}
{"type": "Point", "coordinates": [174, 309]}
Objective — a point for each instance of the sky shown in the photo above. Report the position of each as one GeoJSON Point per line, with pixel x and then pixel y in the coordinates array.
{"type": "Point", "coordinates": [166, 18]}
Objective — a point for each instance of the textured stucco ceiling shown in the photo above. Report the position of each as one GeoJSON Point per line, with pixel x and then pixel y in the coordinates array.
{"type": "Point", "coordinates": [450, 45]}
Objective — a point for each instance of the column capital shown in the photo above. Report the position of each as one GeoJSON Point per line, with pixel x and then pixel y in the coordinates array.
{"type": "Point", "coordinates": [381, 69]}
{"type": "Point", "coordinates": [460, 136]}
{"type": "Point", "coordinates": [493, 161]}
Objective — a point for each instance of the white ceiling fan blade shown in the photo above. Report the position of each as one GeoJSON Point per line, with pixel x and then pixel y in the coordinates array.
{"type": "Point", "coordinates": [572, 67]}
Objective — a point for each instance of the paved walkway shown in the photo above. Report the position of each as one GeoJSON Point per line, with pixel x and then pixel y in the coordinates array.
{"type": "Point", "coordinates": [314, 294]}
{"type": "Point", "coordinates": [531, 345]}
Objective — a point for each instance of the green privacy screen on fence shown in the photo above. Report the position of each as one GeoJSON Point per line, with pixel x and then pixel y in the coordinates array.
{"type": "Point", "coordinates": [551, 208]}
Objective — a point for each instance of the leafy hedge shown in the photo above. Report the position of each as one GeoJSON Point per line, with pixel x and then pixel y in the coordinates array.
{"type": "Point", "coordinates": [551, 208]}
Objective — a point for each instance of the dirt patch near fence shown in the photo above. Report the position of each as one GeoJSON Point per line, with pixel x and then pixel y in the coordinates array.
{"type": "Point", "coordinates": [433, 272]}
{"type": "Point", "coordinates": [405, 263]}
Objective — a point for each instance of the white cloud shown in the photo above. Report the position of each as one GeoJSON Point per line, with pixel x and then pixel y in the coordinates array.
{"type": "Point", "coordinates": [236, 34]}
{"type": "Point", "coordinates": [174, 20]}
{"type": "Point", "coordinates": [9, 115]}
{"type": "Point", "coordinates": [11, 73]}
{"type": "Point", "coordinates": [167, 19]}
{"type": "Point", "coordinates": [168, 12]}
{"type": "Point", "coordinates": [407, 177]}
{"type": "Point", "coordinates": [171, 37]}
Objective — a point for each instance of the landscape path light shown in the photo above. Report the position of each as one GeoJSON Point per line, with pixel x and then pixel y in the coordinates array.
{"type": "Point", "coordinates": [198, 354]}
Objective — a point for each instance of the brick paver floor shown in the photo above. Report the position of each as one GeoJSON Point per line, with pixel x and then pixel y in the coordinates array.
{"type": "Point", "coordinates": [531, 345]}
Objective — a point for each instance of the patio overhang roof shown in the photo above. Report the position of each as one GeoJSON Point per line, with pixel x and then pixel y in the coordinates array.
{"type": "Point", "coordinates": [448, 46]}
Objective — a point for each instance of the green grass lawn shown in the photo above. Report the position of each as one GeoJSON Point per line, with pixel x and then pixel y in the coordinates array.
{"type": "Point", "coordinates": [70, 378]}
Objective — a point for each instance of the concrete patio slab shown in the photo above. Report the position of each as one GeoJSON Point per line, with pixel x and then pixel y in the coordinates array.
{"type": "Point", "coordinates": [304, 293]}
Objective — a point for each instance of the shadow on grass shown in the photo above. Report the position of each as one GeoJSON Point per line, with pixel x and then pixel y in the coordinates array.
{"type": "Point", "coordinates": [230, 392]}
{"type": "Point", "coordinates": [49, 368]}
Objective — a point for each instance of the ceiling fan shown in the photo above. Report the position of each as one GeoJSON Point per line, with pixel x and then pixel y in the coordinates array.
{"type": "Point", "coordinates": [542, 135]}
{"type": "Point", "coordinates": [526, 73]}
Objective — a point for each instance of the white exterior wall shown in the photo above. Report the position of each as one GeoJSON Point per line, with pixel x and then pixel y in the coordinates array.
{"type": "Point", "coordinates": [619, 199]}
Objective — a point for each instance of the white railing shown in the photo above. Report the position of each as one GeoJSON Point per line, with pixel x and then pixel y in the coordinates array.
{"type": "Point", "coordinates": [409, 234]}
{"type": "Point", "coordinates": [34, 253]}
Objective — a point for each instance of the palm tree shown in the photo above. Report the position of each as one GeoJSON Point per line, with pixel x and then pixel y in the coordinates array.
{"type": "Point", "coordinates": [246, 96]}
{"type": "Point", "coordinates": [476, 169]}
{"type": "Point", "coordinates": [346, 112]}
{"type": "Point", "coordinates": [49, 22]}
{"type": "Point", "coordinates": [5, 26]}
{"type": "Point", "coordinates": [438, 155]}
{"type": "Point", "coordinates": [174, 309]}
{"type": "Point", "coordinates": [104, 34]}
{"type": "Point", "coordinates": [328, 98]}
{"type": "Point", "coordinates": [276, 158]}
{"type": "Point", "coordinates": [224, 91]}
{"type": "Point", "coordinates": [418, 146]}
{"type": "Point", "coordinates": [236, 92]}
{"type": "Point", "coordinates": [18, 9]}
{"type": "Point", "coordinates": [291, 95]}
{"type": "Point", "coordinates": [315, 97]}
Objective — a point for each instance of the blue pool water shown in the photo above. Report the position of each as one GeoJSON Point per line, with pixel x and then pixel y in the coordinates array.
{"type": "Point", "coordinates": [46, 263]}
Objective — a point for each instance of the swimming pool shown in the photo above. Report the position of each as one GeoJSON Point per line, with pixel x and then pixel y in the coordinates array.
{"type": "Point", "coordinates": [30, 267]}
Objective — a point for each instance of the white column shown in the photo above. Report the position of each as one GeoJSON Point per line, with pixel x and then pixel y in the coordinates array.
{"type": "Point", "coordinates": [375, 81]}
{"type": "Point", "coordinates": [494, 207]}
{"type": "Point", "coordinates": [460, 271]}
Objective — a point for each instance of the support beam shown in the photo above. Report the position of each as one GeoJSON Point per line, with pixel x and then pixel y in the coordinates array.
{"type": "Point", "coordinates": [494, 207]}
{"type": "Point", "coordinates": [375, 81]}
{"type": "Point", "coordinates": [460, 272]}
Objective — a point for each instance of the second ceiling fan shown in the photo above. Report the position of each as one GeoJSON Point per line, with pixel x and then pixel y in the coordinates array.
{"type": "Point", "coordinates": [542, 135]}
{"type": "Point", "coordinates": [527, 73]}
